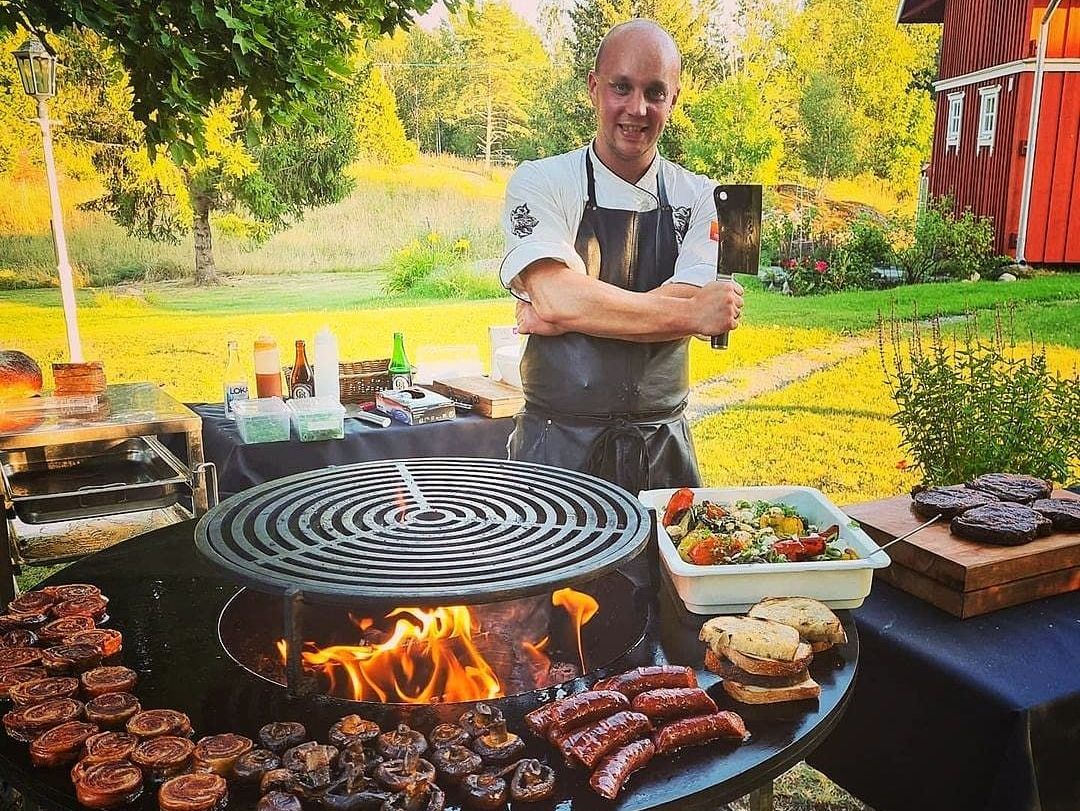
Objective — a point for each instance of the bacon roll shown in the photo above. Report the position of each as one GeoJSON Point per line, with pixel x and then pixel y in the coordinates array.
{"type": "Point", "coordinates": [33, 602]}
{"type": "Point", "coordinates": [18, 638]}
{"type": "Point", "coordinates": [26, 723]}
{"type": "Point", "coordinates": [112, 710]}
{"type": "Point", "coordinates": [60, 660]}
{"type": "Point", "coordinates": [109, 785]}
{"type": "Point", "coordinates": [109, 747]}
{"type": "Point", "coordinates": [19, 675]}
{"type": "Point", "coordinates": [218, 753]}
{"type": "Point", "coordinates": [34, 692]}
{"type": "Point", "coordinates": [201, 791]}
{"type": "Point", "coordinates": [252, 765]}
{"type": "Point", "coordinates": [151, 723]}
{"type": "Point", "coordinates": [71, 591]}
{"type": "Point", "coordinates": [277, 736]}
{"type": "Point", "coordinates": [91, 606]}
{"type": "Point", "coordinates": [109, 640]}
{"type": "Point", "coordinates": [19, 657]}
{"type": "Point", "coordinates": [110, 679]}
{"type": "Point", "coordinates": [61, 744]}
{"type": "Point", "coordinates": [699, 730]}
{"type": "Point", "coordinates": [163, 757]}
{"type": "Point", "coordinates": [56, 631]}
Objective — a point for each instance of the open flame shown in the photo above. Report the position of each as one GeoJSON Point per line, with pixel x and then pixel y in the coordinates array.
{"type": "Point", "coordinates": [430, 655]}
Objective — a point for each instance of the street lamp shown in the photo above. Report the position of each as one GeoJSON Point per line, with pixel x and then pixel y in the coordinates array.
{"type": "Point", "coordinates": [37, 69]}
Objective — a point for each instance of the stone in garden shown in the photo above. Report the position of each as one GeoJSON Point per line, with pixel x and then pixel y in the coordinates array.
{"type": "Point", "coordinates": [1006, 277]}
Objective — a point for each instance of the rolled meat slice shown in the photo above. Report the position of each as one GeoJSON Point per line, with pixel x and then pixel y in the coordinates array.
{"type": "Point", "coordinates": [70, 591]}
{"type": "Point", "coordinates": [277, 736]}
{"type": "Point", "coordinates": [33, 602]}
{"type": "Point", "coordinates": [109, 640]}
{"type": "Point", "coordinates": [56, 631]}
{"type": "Point", "coordinates": [613, 770]}
{"type": "Point", "coordinates": [584, 708]}
{"type": "Point", "coordinates": [18, 638]}
{"type": "Point", "coordinates": [19, 657]}
{"type": "Point", "coordinates": [674, 702]}
{"type": "Point", "coordinates": [26, 723]}
{"type": "Point", "coordinates": [61, 744]}
{"type": "Point", "coordinates": [19, 675]}
{"type": "Point", "coordinates": [34, 692]}
{"type": "Point", "coordinates": [608, 735]}
{"type": "Point", "coordinates": [163, 757]}
{"type": "Point", "coordinates": [251, 766]}
{"type": "Point", "coordinates": [90, 606]}
{"type": "Point", "coordinates": [652, 677]}
{"type": "Point", "coordinates": [193, 792]}
{"type": "Point", "coordinates": [218, 753]}
{"type": "Point", "coordinates": [703, 729]}
{"type": "Point", "coordinates": [110, 679]}
{"type": "Point", "coordinates": [109, 785]}
{"type": "Point", "coordinates": [11, 622]}
{"type": "Point", "coordinates": [112, 710]}
{"type": "Point", "coordinates": [152, 723]}
{"type": "Point", "coordinates": [60, 660]}
{"type": "Point", "coordinates": [108, 747]}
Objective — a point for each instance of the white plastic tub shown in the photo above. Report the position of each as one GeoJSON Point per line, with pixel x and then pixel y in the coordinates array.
{"type": "Point", "coordinates": [734, 588]}
{"type": "Point", "coordinates": [317, 418]}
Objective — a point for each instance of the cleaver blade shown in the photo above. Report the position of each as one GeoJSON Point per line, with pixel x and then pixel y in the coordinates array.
{"type": "Point", "coordinates": [738, 218]}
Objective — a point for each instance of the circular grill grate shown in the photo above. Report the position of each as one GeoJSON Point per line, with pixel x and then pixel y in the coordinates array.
{"type": "Point", "coordinates": [425, 531]}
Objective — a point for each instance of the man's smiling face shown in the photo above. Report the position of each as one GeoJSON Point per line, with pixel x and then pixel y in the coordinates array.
{"type": "Point", "coordinates": [633, 89]}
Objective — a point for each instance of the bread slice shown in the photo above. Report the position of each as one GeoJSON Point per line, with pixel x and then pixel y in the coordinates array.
{"type": "Point", "coordinates": [751, 694]}
{"type": "Point", "coordinates": [729, 670]}
{"type": "Point", "coordinates": [814, 620]}
{"type": "Point", "coordinates": [764, 666]}
{"type": "Point", "coordinates": [753, 637]}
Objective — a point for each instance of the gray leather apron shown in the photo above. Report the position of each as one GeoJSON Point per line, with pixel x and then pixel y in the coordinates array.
{"type": "Point", "coordinates": [603, 406]}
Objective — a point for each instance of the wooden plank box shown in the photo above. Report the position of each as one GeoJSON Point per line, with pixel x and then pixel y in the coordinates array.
{"type": "Point", "coordinates": [486, 396]}
{"type": "Point", "coordinates": [963, 577]}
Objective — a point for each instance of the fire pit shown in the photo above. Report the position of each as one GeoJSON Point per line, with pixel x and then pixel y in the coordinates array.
{"type": "Point", "coordinates": [170, 603]}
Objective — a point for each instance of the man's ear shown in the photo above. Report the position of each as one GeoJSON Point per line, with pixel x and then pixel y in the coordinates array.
{"type": "Point", "coordinates": [593, 82]}
{"type": "Point", "coordinates": [675, 96]}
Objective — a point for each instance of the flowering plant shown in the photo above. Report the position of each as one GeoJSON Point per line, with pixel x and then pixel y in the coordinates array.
{"type": "Point", "coordinates": [808, 275]}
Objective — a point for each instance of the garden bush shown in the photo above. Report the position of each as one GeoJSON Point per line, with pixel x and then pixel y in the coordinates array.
{"type": "Point", "coordinates": [947, 245]}
{"type": "Point", "coordinates": [436, 268]}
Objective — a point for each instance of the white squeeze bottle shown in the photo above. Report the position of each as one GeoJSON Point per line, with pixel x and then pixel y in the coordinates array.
{"type": "Point", "coordinates": [327, 385]}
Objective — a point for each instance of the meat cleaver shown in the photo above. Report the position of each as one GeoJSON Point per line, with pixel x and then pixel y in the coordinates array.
{"type": "Point", "coordinates": [738, 220]}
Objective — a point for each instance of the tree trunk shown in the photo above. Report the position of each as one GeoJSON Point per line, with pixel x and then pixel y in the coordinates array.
{"type": "Point", "coordinates": [205, 270]}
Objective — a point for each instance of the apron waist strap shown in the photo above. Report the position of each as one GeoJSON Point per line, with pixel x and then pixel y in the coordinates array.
{"type": "Point", "coordinates": [640, 418]}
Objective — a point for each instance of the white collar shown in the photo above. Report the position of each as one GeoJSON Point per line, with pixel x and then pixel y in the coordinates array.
{"type": "Point", "coordinates": [646, 183]}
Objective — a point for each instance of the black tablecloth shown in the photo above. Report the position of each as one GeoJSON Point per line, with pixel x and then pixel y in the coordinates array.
{"type": "Point", "coordinates": [241, 466]}
{"type": "Point", "coordinates": [950, 714]}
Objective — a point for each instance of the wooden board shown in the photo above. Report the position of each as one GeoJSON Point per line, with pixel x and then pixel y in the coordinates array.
{"type": "Point", "coordinates": [486, 396]}
{"type": "Point", "coordinates": [965, 577]}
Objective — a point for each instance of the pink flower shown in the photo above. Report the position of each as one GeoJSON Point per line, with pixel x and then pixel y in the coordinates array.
{"type": "Point", "coordinates": [821, 266]}
{"type": "Point", "coordinates": [789, 263]}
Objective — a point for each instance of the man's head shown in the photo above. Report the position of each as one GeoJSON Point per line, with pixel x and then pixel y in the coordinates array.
{"type": "Point", "coordinates": [633, 86]}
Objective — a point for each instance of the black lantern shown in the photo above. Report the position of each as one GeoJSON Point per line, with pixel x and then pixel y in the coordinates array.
{"type": "Point", "coordinates": [37, 69]}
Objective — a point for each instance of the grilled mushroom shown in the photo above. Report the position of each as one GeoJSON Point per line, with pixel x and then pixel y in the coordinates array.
{"type": "Point", "coordinates": [396, 774]}
{"type": "Point", "coordinates": [479, 720]}
{"type": "Point", "coordinates": [454, 762]}
{"type": "Point", "coordinates": [447, 734]}
{"type": "Point", "coordinates": [353, 729]}
{"type": "Point", "coordinates": [279, 780]}
{"type": "Point", "coordinates": [497, 745]}
{"type": "Point", "coordinates": [484, 791]}
{"type": "Point", "coordinates": [278, 801]}
{"type": "Point", "coordinates": [417, 796]}
{"type": "Point", "coordinates": [352, 790]}
{"type": "Point", "coordinates": [251, 766]}
{"type": "Point", "coordinates": [278, 736]}
{"type": "Point", "coordinates": [532, 781]}
{"type": "Point", "coordinates": [395, 744]}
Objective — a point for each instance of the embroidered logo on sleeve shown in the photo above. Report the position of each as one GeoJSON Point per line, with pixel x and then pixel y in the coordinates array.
{"type": "Point", "coordinates": [523, 221]}
{"type": "Point", "coordinates": [681, 216]}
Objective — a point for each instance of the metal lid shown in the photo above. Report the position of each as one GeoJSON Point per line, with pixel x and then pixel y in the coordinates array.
{"type": "Point", "coordinates": [424, 531]}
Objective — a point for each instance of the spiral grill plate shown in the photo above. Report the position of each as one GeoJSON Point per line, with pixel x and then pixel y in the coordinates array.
{"type": "Point", "coordinates": [424, 531]}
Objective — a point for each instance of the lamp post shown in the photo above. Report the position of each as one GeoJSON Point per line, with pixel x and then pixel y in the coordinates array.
{"type": "Point", "coordinates": [37, 69]}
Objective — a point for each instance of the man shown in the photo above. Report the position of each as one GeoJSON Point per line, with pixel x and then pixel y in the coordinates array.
{"type": "Point", "coordinates": [610, 255]}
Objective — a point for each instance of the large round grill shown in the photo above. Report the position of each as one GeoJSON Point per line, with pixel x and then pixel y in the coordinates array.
{"type": "Point", "coordinates": [425, 531]}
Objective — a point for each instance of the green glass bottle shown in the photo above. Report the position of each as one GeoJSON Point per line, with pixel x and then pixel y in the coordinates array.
{"type": "Point", "coordinates": [400, 370]}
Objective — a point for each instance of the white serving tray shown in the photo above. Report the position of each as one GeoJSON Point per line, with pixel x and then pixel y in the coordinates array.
{"type": "Point", "coordinates": [734, 588]}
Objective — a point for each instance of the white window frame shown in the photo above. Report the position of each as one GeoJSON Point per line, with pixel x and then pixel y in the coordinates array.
{"type": "Point", "coordinates": [989, 105]}
{"type": "Point", "coordinates": [955, 115]}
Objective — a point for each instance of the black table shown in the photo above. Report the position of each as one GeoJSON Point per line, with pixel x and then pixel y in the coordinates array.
{"type": "Point", "coordinates": [950, 714]}
{"type": "Point", "coordinates": [241, 466]}
{"type": "Point", "coordinates": [166, 602]}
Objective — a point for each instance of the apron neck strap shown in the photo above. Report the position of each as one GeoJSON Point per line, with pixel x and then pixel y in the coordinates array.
{"type": "Point", "coordinates": [590, 181]}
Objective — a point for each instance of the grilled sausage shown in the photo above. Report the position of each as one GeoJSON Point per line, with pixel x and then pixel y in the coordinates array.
{"type": "Point", "coordinates": [653, 677]}
{"type": "Point", "coordinates": [673, 702]}
{"type": "Point", "coordinates": [609, 734]}
{"type": "Point", "coordinates": [612, 771]}
{"type": "Point", "coordinates": [539, 720]}
{"type": "Point", "coordinates": [702, 729]}
{"type": "Point", "coordinates": [584, 708]}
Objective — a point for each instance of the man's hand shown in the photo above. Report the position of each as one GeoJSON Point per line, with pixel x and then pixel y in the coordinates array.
{"type": "Point", "coordinates": [529, 323]}
{"type": "Point", "coordinates": [717, 307]}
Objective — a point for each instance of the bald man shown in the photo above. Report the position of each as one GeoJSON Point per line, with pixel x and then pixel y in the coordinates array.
{"type": "Point", "coordinates": [609, 251]}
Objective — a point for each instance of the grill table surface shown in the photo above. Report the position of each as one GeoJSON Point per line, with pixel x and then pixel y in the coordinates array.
{"type": "Point", "coordinates": [166, 602]}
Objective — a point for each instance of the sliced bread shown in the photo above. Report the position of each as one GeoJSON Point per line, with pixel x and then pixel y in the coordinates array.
{"type": "Point", "coordinates": [752, 694]}
{"type": "Point", "coordinates": [814, 621]}
{"type": "Point", "coordinates": [752, 637]}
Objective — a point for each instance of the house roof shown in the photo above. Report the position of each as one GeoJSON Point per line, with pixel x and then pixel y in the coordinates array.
{"type": "Point", "coordinates": [921, 11]}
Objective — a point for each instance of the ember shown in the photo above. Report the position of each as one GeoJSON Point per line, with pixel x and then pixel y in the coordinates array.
{"type": "Point", "coordinates": [446, 654]}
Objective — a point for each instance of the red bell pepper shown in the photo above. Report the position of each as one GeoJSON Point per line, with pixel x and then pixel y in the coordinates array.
{"type": "Point", "coordinates": [680, 501]}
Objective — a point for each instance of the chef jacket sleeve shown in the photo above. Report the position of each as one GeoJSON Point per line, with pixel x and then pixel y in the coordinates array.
{"type": "Point", "coordinates": [696, 263]}
{"type": "Point", "coordinates": [536, 227]}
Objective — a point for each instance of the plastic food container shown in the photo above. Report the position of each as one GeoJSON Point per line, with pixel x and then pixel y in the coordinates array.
{"type": "Point", "coordinates": [317, 418]}
{"type": "Point", "coordinates": [263, 420]}
{"type": "Point", "coordinates": [734, 588]}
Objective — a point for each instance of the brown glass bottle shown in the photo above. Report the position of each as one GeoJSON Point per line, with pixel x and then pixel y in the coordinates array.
{"type": "Point", "coordinates": [302, 379]}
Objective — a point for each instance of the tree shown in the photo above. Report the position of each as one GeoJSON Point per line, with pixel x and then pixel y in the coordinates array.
{"type": "Point", "coordinates": [828, 149]}
{"type": "Point", "coordinates": [380, 135]}
{"type": "Point", "coordinates": [183, 57]}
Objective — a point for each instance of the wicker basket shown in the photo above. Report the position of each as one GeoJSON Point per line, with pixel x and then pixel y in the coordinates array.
{"type": "Point", "coordinates": [359, 380]}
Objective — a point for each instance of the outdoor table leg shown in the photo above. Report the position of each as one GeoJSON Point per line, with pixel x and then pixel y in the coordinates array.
{"type": "Point", "coordinates": [7, 566]}
{"type": "Point", "coordinates": [199, 500]}
{"type": "Point", "coordinates": [761, 798]}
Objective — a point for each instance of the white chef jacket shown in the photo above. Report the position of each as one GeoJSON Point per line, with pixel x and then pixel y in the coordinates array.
{"type": "Point", "coordinates": [545, 201]}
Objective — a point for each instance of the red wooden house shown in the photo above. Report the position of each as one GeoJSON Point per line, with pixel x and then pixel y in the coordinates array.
{"type": "Point", "coordinates": [996, 56]}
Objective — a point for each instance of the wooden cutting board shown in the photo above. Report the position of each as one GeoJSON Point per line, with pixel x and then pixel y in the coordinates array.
{"type": "Point", "coordinates": [963, 577]}
{"type": "Point", "coordinates": [486, 396]}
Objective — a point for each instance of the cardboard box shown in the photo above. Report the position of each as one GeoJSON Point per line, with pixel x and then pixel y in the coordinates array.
{"type": "Point", "coordinates": [415, 406]}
